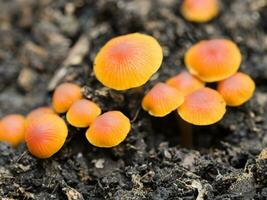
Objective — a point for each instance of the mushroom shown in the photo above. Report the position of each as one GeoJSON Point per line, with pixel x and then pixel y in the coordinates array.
{"type": "Point", "coordinates": [39, 111]}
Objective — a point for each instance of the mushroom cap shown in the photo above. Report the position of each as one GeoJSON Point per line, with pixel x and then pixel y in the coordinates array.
{"type": "Point", "coordinates": [162, 99]}
{"type": "Point", "coordinates": [82, 113]}
{"type": "Point", "coordinates": [185, 82]}
{"type": "Point", "coordinates": [236, 89]}
{"type": "Point", "coordinates": [128, 61]}
{"type": "Point", "coordinates": [213, 60]}
{"type": "Point", "coordinates": [203, 107]}
{"type": "Point", "coordinates": [109, 129]}
{"type": "Point", "coordinates": [64, 96]}
{"type": "Point", "coordinates": [12, 129]}
{"type": "Point", "coordinates": [45, 135]}
{"type": "Point", "coordinates": [200, 10]}
{"type": "Point", "coordinates": [39, 111]}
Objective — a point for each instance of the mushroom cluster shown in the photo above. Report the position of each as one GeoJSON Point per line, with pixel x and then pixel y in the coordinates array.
{"type": "Point", "coordinates": [215, 60]}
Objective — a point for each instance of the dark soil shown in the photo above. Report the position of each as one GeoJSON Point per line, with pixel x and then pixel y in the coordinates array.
{"type": "Point", "coordinates": [46, 42]}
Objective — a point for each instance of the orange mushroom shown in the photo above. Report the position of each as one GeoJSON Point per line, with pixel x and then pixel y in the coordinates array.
{"type": "Point", "coordinates": [64, 96]}
{"type": "Point", "coordinates": [12, 129]}
{"type": "Point", "coordinates": [45, 135]}
{"type": "Point", "coordinates": [236, 89]}
{"type": "Point", "coordinates": [185, 83]}
{"type": "Point", "coordinates": [82, 113]}
{"type": "Point", "coordinates": [39, 111]}
{"type": "Point", "coordinates": [200, 10]}
{"type": "Point", "coordinates": [203, 107]}
{"type": "Point", "coordinates": [128, 61]}
{"type": "Point", "coordinates": [109, 129]}
{"type": "Point", "coordinates": [213, 60]}
{"type": "Point", "coordinates": [162, 99]}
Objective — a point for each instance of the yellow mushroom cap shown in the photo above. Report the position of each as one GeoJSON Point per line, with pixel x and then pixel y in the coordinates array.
{"type": "Point", "coordinates": [12, 129]}
{"type": "Point", "coordinates": [236, 89]}
{"type": "Point", "coordinates": [82, 113]}
{"type": "Point", "coordinates": [39, 111]}
{"type": "Point", "coordinates": [203, 107]}
{"type": "Point", "coordinates": [162, 99]}
{"type": "Point", "coordinates": [109, 129]}
{"type": "Point", "coordinates": [64, 96]}
{"type": "Point", "coordinates": [185, 82]}
{"type": "Point", "coordinates": [200, 10]}
{"type": "Point", "coordinates": [128, 61]}
{"type": "Point", "coordinates": [45, 135]}
{"type": "Point", "coordinates": [213, 60]}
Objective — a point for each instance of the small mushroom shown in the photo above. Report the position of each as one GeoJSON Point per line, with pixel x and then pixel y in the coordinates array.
{"type": "Point", "coordinates": [64, 96]}
{"type": "Point", "coordinates": [199, 10]}
{"type": "Point", "coordinates": [236, 89]}
{"type": "Point", "coordinates": [162, 99]}
{"type": "Point", "coordinates": [203, 107]}
{"type": "Point", "coordinates": [213, 60]}
{"type": "Point", "coordinates": [128, 61]}
{"type": "Point", "coordinates": [108, 130]}
{"type": "Point", "coordinates": [82, 113]}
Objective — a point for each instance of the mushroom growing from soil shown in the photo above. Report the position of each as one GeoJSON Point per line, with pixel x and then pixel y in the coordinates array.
{"type": "Point", "coordinates": [213, 60]}
{"type": "Point", "coordinates": [185, 82]}
{"type": "Point", "coordinates": [203, 107]}
{"type": "Point", "coordinates": [82, 113]}
{"type": "Point", "coordinates": [128, 61]}
{"type": "Point", "coordinates": [12, 129]}
{"type": "Point", "coordinates": [236, 89]}
{"type": "Point", "coordinates": [109, 129]}
{"type": "Point", "coordinates": [199, 10]}
{"type": "Point", "coordinates": [162, 99]}
{"type": "Point", "coordinates": [45, 135]}
{"type": "Point", "coordinates": [64, 96]}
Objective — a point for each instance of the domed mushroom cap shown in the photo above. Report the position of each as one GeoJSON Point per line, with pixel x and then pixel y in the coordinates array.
{"type": "Point", "coordinates": [82, 113]}
{"type": "Point", "coordinates": [203, 107]}
{"type": "Point", "coordinates": [128, 61]}
{"type": "Point", "coordinates": [162, 99]}
{"type": "Point", "coordinates": [109, 129]}
{"type": "Point", "coordinates": [185, 83]}
{"type": "Point", "coordinates": [45, 135]}
{"type": "Point", "coordinates": [64, 96]}
{"type": "Point", "coordinates": [12, 129]}
{"type": "Point", "coordinates": [237, 89]}
{"type": "Point", "coordinates": [213, 60]}
{"type": "Point", "coordinates": [39, 111]}
{"type": "Point", "coordinates": [200, 10]}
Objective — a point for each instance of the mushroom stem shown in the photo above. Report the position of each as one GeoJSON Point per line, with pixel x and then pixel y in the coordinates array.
{"type": "Point", "coordinates": [186, 133]}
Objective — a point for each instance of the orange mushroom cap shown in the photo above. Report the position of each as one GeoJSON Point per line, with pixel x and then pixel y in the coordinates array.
{"type": "Point", "coordinates": [128, 61]}
{"type": "Point", "coordinates": [12, 129]}
{"type": "Point", "coordinates": [200, 10]}
{"type": "Point", "coordinates": [236, 89]}
{"type": "Point", "coordinates": [39, 111]}
{"type": "Point", "coordinates": [64, 96]}
{"type": "Point", "coordinates": [185, 83]}
{"type": "Point", "coordinates": [203, 107]}
{"type": "Point", "coordinates": [109, 129]}
{"type": "Point", "coordinates": [213, 60]}
{"type": "Point", "coordinates": [45, 135]}
{"type": "Point", "coordinates": [82, 113]}
{"type": "Point", "coordinates": [162, 99]}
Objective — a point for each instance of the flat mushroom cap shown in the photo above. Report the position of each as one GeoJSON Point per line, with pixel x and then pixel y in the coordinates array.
{"type": "Point", "coordinates": [162, 99]}
{"type": "Point", "coordinates": [185, 82]}
{"type": "Point", "coordinates": [64, 96]}
{"type": "Point", "coordinates": [236, 89]}
{"type": "Point", "coordinates": [200, 10]}
{"type": "Point", "coordinates": [108, 130]}
{"type": "Point", "coordinates": [203, 107]}
{"type": "Point", "coordinates": [45, 135]}
{"type": "Point", "coordinates": [82, 113]}
{"type": "Point", "coordinates": [12, 129]}
{"type": "Point", "coordinates": [128, 61]}
{"type": "Point", "coordinates": [213, 60]}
